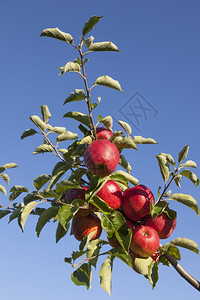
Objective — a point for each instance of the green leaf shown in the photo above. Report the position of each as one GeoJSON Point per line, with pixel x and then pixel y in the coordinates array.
{"type": "Point", "coordinates": [186, 200]}
{"type": "Point", "coordinates": [123, 142]}
{"type": "Point", "coordinates": [19, 189]}
{"type": "Point", "coordinates": [126, 127]}
{"type": "Point", "coordinates": [30, 197]}
{"type": "Point", "coordinates": [172, 250]}
{"type": "Point", "coordinates": [115, 224]}
{"type": "Point", "coordinates": [142, 140]}
{"type": "Point", "coordinates": [89, 25]}
{"type": "Point", "coordinates": [78, 116]}
{"type": "Point", "coordinates": [164, 261]}
{"type": "Point", "coordinates": [10, 165]}
{"type": "Point", "coordinates": [15, 214]}
{"type": "Point", "coordinates": [107, 81]}
{"type": "Point", "coordinates": [103, 46]}
{"type": "Point", "coordinates": [121, 254]}
{"type": "Point", "coordinates": [190, 175]}
{"type": "Point", "coordinates": [45, 113]}
{"type": "Point", "coordinates": [86, 240]}
{"type": "Point", "coordinates": [153, 273]}
{"type": "Point", "coordinates": [5, 177]}
{"type": "Point", "coordinates": [124, 163]}
{"type": "Point", "coordinates": [88, 41]}
{"type": "Point", "coordinates": [61, 232]}
{"type": "Point", "coordinates": [28, 132]}
{"type": "Point", "coordinates": [65, 214]}
{"type": "Point", "coordinates": [129, 177]}
{"type": "Point", "coordinates": [2, 168]}
{"type": "Point", "coordinates": [3, 190]}
{"type": "Point", "coordinates": [188, 164]}
{"type": "Point", "coordinates": [55, 178]}
{"type": "Point", "coordinates": [169, 158]}
{"type": "Point", "coordinates": [100, 204]}
{"type": "Point", "coordinates": [48, 194]}
{"type": "Point", "coordinates": [26, 210]}
{"type": "Point", "coordinates": [186, 243]}
{"type": "Point", "coordinates": [82, 275]}
{"type": "Point", "coordinates": [40, 181]}
{"type": "Point", "coordinates": [45, 217]}
{"type": "Point", "coordinates": [106, 273]}
{"type": "Point", "coordinates": [68, 135]}
{"type": "Point", "coordinates": [38, 122]}
{"type": "Point", "coordinates": [43, 148]}
{"type": "Point", "coordinates": [76, 254]}
{"type": "Point", "coordinates": [57, 34]}
{"type": "Point", "coordinates": [78, 95]}
{"type": "Point", "coordinates": [157, 209]}
{"type": "Point", "coordinates": [142, 264]}
{"type": "Point", "coordinates": [119, 178]}
{"type": "Point", "coordinates": [183, 154]}
{"type": "Point", "coordinates": [60, 166]}
{"type": "Point", "coordinates": [64, 185]}
{"type": "Point", "coordinates": [77, 174]}
{"type": "Point", "coordinates": [58, 130]}
{"type": "Point", "coordinates": [86, 140]}
{"type": "Point", "coordinates": [164, 167]}
{"type": "Point", "coordinates": [107, 121]}
{"type": "Point", "coordinates": [70, 67]}
{"type": "Point", "coordinates": [4, 212]}
{"type": "Point", "coordinates": [93, 250]}
{"type": "Point", "coordinates": [177, 180]}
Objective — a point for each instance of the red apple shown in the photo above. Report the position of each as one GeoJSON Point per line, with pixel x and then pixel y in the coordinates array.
{"type": "Point", "coordinates": [136, 202]}
{"type": "Point", "coordinates": [101, 157]}
{"type": "Point", "coordinates": [103, 133]}
{"type": "Point", "coordinates": [76, 193]}
{"type": "Point", "coordinates": [162, 224]}
{"type": "Point", "coordinates": [111, 194]}
{"type": "Point", "coordinates": [145, 241]}
{"type": "Point", "coordinates": [83, 226]}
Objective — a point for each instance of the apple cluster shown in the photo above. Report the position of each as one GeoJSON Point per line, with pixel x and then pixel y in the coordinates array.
{"type": "Point", "coordinates": [101, 158]}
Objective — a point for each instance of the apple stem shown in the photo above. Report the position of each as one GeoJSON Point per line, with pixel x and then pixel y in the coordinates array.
{"type": "Point", "coordinates": [190, 279]}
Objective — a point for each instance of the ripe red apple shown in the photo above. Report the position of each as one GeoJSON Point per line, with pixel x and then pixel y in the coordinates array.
{"type": "Point", "coordinates": [83, 226]}
{"type": "Point", "coordinates": [103, 133]}
{"type": "Point", "coordinates": [101, 157]}
{"type": "Point", "coordinates": [162, 224]}
{"type": "Point", "coordinates": [76, 193]}
{"type": "Point", "coordinates": [145, 241]}
{"type": "Point", "coordinates": [136, 202]}
{"type": "Point", "coordinates": [111, 194]}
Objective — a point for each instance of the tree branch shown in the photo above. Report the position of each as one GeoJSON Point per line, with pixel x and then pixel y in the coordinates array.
{"type": "Point", "coordinates": [182, 272]}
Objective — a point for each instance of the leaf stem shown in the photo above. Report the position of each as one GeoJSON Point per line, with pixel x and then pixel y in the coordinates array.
{"type": "Point", "coordinates": [167, 186]}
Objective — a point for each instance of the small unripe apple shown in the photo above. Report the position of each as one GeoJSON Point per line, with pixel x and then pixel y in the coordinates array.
{"type": "Point", "coordinates": [136, 202]}
{"type": "Point", "coordinates": [83, 226]}
{"type": "Point", "coordinates": [103, 133]}
{"type": "Point", "coordinates": [162, 224]}
{"type": "Point", "coordinates": [101, 158]}
{"type": "Point", "coordinates": [111, 194]}
{"type": "Point", "coordinates": [76, 193]}
{"type": "Point", "coordinates": [145, 241]}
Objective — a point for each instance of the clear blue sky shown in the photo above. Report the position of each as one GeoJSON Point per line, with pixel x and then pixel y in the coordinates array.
{"type": "Point", "coordinates": [159, 60]}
